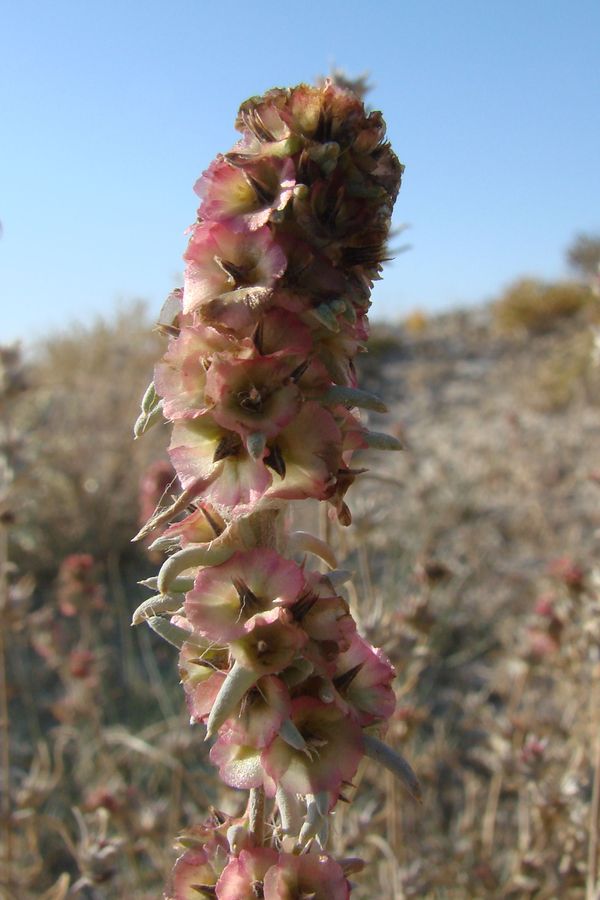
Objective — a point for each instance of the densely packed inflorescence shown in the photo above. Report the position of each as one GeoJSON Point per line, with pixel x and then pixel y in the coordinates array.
{"type": "Point", "coordinates": [259, 382]}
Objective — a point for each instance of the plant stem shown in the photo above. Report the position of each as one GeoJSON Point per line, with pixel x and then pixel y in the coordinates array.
{"type": "Point", "coordinates": [256, 815]}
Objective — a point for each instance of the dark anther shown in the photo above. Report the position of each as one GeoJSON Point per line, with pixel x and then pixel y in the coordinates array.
{"type": "Point", "coordinates": [247, 597]}
{"type": "Point", "coordinates": [229, 445]}
{"type": "Point", "coordinates": [254, 121]}
{"type": "Point", "coordinates": [236, 272]}
{"type": "Point", "coordinates": [299, 371]}
{"type": "Point", "coordinates": [264, 195]}
{"type": "Point", "coordinates": [214, 525]}
{"type": "Point", "coordinates": [257, 337]}
{"type": "Point", "coordinates": [303, 605]}
{"type": "Point", "coordinates": [344, 681]}
{"type": "Point", "coordinates": [217, 817]}
{"type": "Point", "coordinates": [204, 890]}
{"type": "Point", "coordinates": [276, 461]}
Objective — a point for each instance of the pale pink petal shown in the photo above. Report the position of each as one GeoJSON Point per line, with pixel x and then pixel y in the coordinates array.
{"type": "Point", "coordinates": [334, 745]}
{"type": "Point", "coordinates": [313, 875]}
{"type": "Point", "coordinates": [222, 259]}
{"type": "Point", "coordinates": [251, 192]}
{"type": "Point", "coordinates": [225, 597]}
{"type": "Point", "coordinates": [201, 526]}
{"type": "Point", "coordinates": [261, 714]}
{"type": "Point", "coordinates": [243, 876]}
{"type": "Point", "coordinates": [250, 395]}
{"type": "Point", "coordinates": [203, 453]}
{"type": "Point", "coordinates": [239, 765]}
{"type": "Point", "coordinates": [180, 377]}
{"type": "Point", "coordinates": [269, 643]}
{"type": "Point", "coordinates": [310, 447]}
{"type": "Point", "coordinates": [191, 870]}
{"type": "Point", "coordinates": [363, 678]}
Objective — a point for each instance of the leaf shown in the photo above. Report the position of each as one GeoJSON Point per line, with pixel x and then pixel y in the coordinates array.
{"type": "Point", "coordinates": [394, 763]}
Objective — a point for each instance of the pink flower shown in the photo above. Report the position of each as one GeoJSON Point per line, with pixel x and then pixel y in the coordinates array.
{"type": "Point", "coordinates": [242, 878]}
{"type": "Point", "coordinates": [363, 678]}
{"type": "Point", "coordinates": [201, 526]}
{"type": "Point", "coordinates": [201, 685]}
{"type": "Point", "coordinates": [201, 865]}
{"type": "Point", "coordinates": [200, 675]}
{"type": "Point", "coordinates": [326, 619]}
{"type": "Point", "coordinates": [568, 571]}
{"type": "Point", "coordinates": [282, 333]}
{"type": "Point", "coordinates": [180, 377]}
{"type": "Point", "coordinates": [192, 870]}
{"type": "Point", "coordinates": [302, 111]}
{"type": "Point", "coordinates": [252, 192]}
{"type": "Point", "coordinates": [311, 875]}
{"type": "Point", "coordinates": [240, 765]}
{"type": "Point", "coordinates": [222, 260]}
{"type": "Point", "coordinates": [215, 462]}
{"type": "Point", "coordinates": [251, 582]}
{"type": "Point", "coordinates": [261, 714]}
{"type": "Point", "coordinates": [269, 643]}
{"type": "Point", "coordinates": [78, 588]}
{"type": "Point", "coordinates": [261, 117]}
{"type": "Point", "coordinates": [253, 395]}
{"type": "Point", "coordinates": [258, 717]}
{"type": "Point", "coordinates": [257, 379]}
{"type": "Point", "coordinates": [334, 750]}
{"type": "Point", "coordinates": [306, 455]}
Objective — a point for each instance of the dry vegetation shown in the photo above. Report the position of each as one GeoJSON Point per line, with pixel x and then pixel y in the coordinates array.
{"type": "Point", "coordinates": [474, 554]}
{"type": "Point", "coordinates": [532, 306]}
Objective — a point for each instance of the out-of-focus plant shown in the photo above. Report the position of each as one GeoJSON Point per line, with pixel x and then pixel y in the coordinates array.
{"type": "Point", "coordinates": [14, 594]}
{"type": "Point", "coordinates": [75, 495]}
{"type": "Point", "coordinates": [568, 371]}
{"type": "Point", "coordinates": [583, 256]}
{"type": "Point", "coordinates": [533, 306]}
{"type": "Point", "coordinates": [259, 383]}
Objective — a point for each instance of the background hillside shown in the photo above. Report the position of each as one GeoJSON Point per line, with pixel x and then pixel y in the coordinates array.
{"type": "Point", "coordinates": [474, 552]}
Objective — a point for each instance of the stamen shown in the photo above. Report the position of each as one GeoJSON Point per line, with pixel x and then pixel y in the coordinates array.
{"type": "Point", "coordinates": [276, 461]}
{"type": "Point", "coordinates": [303, 605]}
{"type": "Point", "coordinates": [238, 273]}
{"type": "Point", "coordinates": [251, 400]}
{"type": "Point", "coordinates": [247, 597]}
{"type": "Point", "coordinates": [342, 682]}
{"type": "Point", "coordinates": [257, 337]}
{"type": "Point", "coordinates": [229, 445]}
{"type": "Point", "coordinates": [299, 371]}
{"type": "Point", "coordinates": [264, 196]}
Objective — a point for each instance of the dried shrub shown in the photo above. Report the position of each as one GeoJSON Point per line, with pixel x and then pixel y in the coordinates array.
{"type": "Point", "coordinates": [416, 322]}
{"type": "Point", "coordinates": [80, 491]}
{"type": "Point", "coordinates": [535, 307]}
{"type": "Point", "coordinates": [568, 372]}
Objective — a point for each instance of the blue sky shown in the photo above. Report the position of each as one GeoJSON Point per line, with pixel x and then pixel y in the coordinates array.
{"type": "Point", "coordinates": [111, 110]}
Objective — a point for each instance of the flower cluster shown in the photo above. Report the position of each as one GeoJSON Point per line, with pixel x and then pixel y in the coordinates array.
{"type": "Point", "coordinates": [209, 868]}
{"type": "Point", "coordinates": [259, 383]}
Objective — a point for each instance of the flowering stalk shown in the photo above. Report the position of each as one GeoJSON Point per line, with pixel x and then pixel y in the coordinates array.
{"type": "Point", "coordinates": [259, 383]}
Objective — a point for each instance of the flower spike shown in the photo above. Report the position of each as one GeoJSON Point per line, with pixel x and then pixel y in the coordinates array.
{"type": "Point", "coordinates": [259, 386]}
